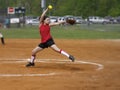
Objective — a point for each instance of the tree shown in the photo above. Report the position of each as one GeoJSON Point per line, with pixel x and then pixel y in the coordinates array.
{"type": "Point", "coordinates": [68, 7]}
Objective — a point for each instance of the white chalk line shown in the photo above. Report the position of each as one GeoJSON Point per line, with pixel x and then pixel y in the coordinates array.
{"type": "Point", "coordinates": [27, 75]}
{"type": "Point", "coordinates": [99, 66]}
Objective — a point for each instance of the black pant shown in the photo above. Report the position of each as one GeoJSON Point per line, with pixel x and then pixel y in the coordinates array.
{"type": "Point", "coordinates": [2, 40]}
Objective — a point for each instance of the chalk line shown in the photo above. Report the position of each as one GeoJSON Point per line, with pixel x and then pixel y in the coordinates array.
{"type": "Point", "coordinates": [30, 75]}
{"type": "Point", "coordinates": [99, 66]}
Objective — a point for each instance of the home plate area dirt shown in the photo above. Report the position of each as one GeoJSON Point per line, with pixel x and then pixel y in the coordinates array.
{"type": "Point", "coordinates": [96, 66]}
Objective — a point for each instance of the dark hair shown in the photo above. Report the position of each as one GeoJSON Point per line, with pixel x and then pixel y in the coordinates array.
{"type": "Point", "coordinates": [43, 18]}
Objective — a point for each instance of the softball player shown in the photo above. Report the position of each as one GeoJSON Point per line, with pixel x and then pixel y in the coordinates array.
{"type": "Point", "coordinates": [1, 36]}
{"type": "Point", "coordinates": [46, 39]}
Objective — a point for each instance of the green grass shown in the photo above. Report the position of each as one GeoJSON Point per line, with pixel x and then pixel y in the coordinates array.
{"type": "Point", "coordinates": [67, 32]}
{"type": "Point", "coordinates": [101, 27]}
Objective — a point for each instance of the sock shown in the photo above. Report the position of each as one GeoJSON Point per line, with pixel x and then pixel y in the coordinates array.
{"type": "Point", "coordinates": [64, 53]}
{"type": "Point", "coordinates": [32, 58]}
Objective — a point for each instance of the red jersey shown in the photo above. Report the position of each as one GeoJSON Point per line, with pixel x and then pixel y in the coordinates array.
{"type": "Point", "coordinates": [44, 32]}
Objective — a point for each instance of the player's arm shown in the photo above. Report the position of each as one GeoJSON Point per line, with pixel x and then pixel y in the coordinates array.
{"type": "Point", "coordinates": [42, 16]}
{"type": "Point", "coordinates": [56, 23]}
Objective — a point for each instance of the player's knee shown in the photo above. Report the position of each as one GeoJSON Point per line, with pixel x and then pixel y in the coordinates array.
{"type": "Point", "coordinates": [33, 52]}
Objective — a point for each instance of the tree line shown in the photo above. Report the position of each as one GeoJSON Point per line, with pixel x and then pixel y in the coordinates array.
{"type": "Point", "coordinates": [83, 8]}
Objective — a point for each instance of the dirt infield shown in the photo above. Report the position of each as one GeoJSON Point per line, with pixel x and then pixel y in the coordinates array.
{"type": "Point", "coordinates": [96, 67]}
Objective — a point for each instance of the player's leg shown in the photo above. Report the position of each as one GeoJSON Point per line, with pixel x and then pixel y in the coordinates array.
{"type": "Point", "coordinates": [2, 39]}
{"type": "Point", "coordinates": [33, 56]}
{"type": "Point", "coordinates": [55, 48]}
{"type": "Point", "coordinates": [34, 52]}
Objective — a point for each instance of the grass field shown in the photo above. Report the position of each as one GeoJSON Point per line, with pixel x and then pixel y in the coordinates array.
{"type": "Point", "coordinates": [67, 32]}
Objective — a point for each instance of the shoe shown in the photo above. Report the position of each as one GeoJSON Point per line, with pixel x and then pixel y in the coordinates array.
{"type": "Point", "coordinates": [72, 58]}
{"type": "Point", "coordinates": [30, 64]}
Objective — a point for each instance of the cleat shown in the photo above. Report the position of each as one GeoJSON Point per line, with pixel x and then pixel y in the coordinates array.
{"type": "Point", "coordinates": [30, 64]}
{"type": "Point", "coordinates": [72, 58]}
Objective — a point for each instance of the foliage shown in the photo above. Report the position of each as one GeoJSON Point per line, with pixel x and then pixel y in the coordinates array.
{"type": "Point", "coordinates": [68, 7]}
